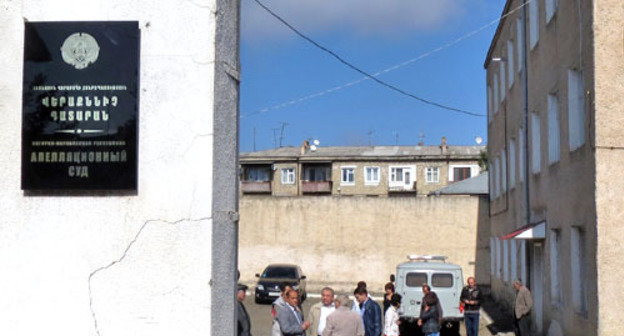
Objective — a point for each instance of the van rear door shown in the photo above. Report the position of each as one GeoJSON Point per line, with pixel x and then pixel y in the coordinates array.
{"type": "Point", "coordinates": [447, 285]}
{"type": "Point", "coordinates": [411, 284]}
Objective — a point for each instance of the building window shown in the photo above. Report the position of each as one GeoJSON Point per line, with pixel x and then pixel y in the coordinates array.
{"type": "Point", "coordinates": [504, 171]}
{"type": "Point", "coordinates": [514, 258]}
{"type": "Point", "coordinates": [576, 109]}
{"type": "Point", "coordinates": [521, 155]}
{"type": "Point", "coordinates": [432, 174]}
{"type": "Point", "coordinates": [553, 129]}
{"type": "Point", "coordinates": [496, 177]}
{"type": "Point", "coordinates": [256, 174]}
{"type": "Point", "coordinates": [492, 255]}
{"type": "Point", "coordinates": [503, 82]}
{"type": "Point", "coordinates": [512, 163]}
{"type": "Point", "coordinates": [402, 176]}
{"type": "Point", "coordinates": [347, 175]}
{"type": "Point", "coordinates": [316, 173]}
{"type": "Point", "coordinates": [510, 64]}
{"type": "Point", "coordinates": [520, 43]}
{"type": "Point", "coordinates": [371, 175]}
{"type": "Point", "coordinates": [462, 172]}
{"type": "Point", "coordinates": [490, 103]}
{"type": "Point", "coordinates": [495, 86]}
{"type": "Point", "coordinates": [505, 260]}
{"type": "Point", "coordinates": [579, 289]}
{"type": "Point", "coordinates": [555, 267]}
{"type": "Point", "coordinates": [533, 23]}
{"type": "Point", "coordinates": [498, 258]}
{"type": "Point", "coordinates": [551, 8]}
{"type": "Point", "coordinates": [288, 175]}
{"type": "Point", "coordinates": [535, 144]}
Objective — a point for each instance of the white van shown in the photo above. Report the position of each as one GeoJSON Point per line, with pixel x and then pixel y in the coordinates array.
{"type": "Point", "coordinates": [445, 279]}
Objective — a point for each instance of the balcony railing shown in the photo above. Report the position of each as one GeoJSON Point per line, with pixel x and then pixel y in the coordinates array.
{"type": "Point", "coordinates": [316, 187]}
{"type": "Point", "coordinates": [256, 187]}
{"type": "Point", "coordinates": [410, 188]}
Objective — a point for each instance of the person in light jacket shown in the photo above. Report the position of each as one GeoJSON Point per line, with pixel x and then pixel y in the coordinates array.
{"type": "Point", "coordinates": [391, 326]}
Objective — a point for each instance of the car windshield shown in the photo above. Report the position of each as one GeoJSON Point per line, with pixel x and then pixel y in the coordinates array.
{"type": "Point", "coordinates": [279, 272]}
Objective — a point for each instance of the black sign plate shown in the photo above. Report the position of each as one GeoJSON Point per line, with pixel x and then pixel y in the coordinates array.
{"type": "Point", "coordinates": [80, 105]}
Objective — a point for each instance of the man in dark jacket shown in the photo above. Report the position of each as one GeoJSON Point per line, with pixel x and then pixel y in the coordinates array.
{"type": "Point", "coordinates": [370, 312]}
{"type": "Point", "coordinates": [471, 299]}
{"type": "Point", "coordinates": [244, 325]}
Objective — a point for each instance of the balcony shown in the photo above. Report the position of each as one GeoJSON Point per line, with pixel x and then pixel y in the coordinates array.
{"type": "Point", "coordinates": [316, 187]}
{"type": "Point", "coordinates": [256, 187]}
{"type": "Point", "coordinates": [402, 189]}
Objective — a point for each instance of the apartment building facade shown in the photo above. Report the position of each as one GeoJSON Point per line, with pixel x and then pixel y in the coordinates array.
{"type": "Point", "coordinates": [357, 171]}
{"type": "Point", "coordinates": [555, 74]}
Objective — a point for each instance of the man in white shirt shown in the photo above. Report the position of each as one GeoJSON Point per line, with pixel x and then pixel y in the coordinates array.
{"type": "Point", "coordinates": [319, 312]}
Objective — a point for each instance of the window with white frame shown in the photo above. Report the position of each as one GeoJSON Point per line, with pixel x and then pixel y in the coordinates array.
{"type": "Point", "coordinates": [432, 174]}
{"type": "Point", "coordinates": [402, 176]}
{"type": "Point", "coordinates": [505, 260]}
{"type": "Point", "coordinates": [288, 175]}
{"type": "Point", "coordinates": [579, 288]}
{"type": "Point", "coordinates": [553, 129]}
{"type": "Point", "coordinates": [492, 255]}
{"type": "Point", "coordinates": [503, 82]}
{"type": "Point", "coordinates": [514, 259]}
{"type": "Point", "coordinates": [521, 155]}
{"type": "Point", "coordinates": [495, 86]}
{"type": "Point", "coordinates": [504, 171]}
{"type": "Point", "coordinates": [512, 163]}
{"type": "Point", "coordinates": [520, 43]}
{"type": "Point", "coordinates": [347, 175]}
{"type": "Point", "coordinates": [459, 172]}
{"type": "Point", "coordinates": [551, 8]}
{"type": "Point", "coordinates": [510, 64]}
{"type": "Point", "coordinates": [536, 153]}
{"type": "Point", "coordinates": [555, 266]}
{"type": "Point", "coordinates": [576, 109]}
{"type": "Point", "coordinates": [371, 175]}
{"type": "Point", "coordinates": [533, 23]}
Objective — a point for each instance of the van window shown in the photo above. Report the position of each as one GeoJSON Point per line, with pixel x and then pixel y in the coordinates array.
{"type": "Point", "coordinates": [442, 280]}
{"type": "Point", "coordinates": [415, 279]}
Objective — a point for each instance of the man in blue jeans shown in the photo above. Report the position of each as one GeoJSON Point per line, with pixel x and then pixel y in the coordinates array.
{"type": "Point", "coordinates": [471, 299]}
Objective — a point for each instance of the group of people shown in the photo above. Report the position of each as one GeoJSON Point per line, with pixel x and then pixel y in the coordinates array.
{"type": "Point", "coordinates": [334, 316]}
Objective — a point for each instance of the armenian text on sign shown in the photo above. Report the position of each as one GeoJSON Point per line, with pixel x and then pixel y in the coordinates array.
{"type": "Point", "coordinates": [80, 105]}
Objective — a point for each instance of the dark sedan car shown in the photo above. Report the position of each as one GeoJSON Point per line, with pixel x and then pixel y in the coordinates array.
{"type": "Point", "coordinates": [267, 288]}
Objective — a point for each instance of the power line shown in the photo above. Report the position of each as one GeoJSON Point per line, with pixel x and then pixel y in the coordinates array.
{"type": "Point", "coordinates": [343, 61]}
{"type": "Point", "coordinates": [392, 68]}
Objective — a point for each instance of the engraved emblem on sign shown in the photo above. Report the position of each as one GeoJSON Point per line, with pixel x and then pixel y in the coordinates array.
{"type": "Point", "coordinates": [80, 50]}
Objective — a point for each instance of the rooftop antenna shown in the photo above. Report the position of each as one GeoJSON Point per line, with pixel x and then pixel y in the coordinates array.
{"type": "Point", "coordinates": [422, 138]}
{"type": "Point", "coordinates": [370, 136]}
{"type": "Point", "coordinates": [396, 138]}
{"type": "Point", "coordinates": [281, 138]}
{"type": "Point", "coordinates": [254, 139]}
{"type": "Point", "coordinates": [275, 137]}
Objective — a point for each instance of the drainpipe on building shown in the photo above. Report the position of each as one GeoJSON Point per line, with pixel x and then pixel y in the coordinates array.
{"type": "Point", "coordinates": [525, 74]}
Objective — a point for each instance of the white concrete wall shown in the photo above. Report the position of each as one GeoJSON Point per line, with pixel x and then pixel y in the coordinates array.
{"type": "Point", "coordinates": [116, 264]}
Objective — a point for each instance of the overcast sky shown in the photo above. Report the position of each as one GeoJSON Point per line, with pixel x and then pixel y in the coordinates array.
{"type": "Point", "coordinates": [287, 80]}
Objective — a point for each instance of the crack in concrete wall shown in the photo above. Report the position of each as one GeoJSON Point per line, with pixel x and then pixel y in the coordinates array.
{"type": "Point", "coordinates": [123, 256]}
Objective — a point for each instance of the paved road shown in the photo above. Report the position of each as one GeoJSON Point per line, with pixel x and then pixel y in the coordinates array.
{"type": "Point", "coordinates": [261, 319]}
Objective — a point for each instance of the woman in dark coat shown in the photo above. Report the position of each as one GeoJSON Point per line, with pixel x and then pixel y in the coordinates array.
{"type": "Point", "coordinates": [430, 316]}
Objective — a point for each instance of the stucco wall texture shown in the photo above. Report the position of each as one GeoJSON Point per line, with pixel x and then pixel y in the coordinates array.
{"type": "Point", "coordinates": [339, 241]}
{"type": "Point", "coordinates": [110, 263]}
